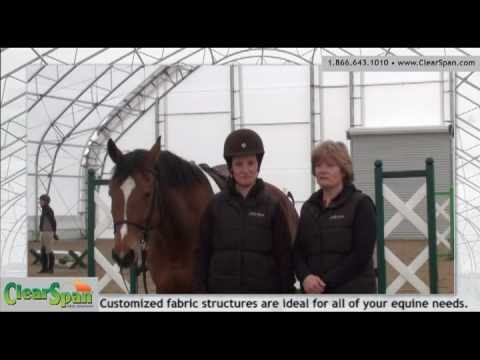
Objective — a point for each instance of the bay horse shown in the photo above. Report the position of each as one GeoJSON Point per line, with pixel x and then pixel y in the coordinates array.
{"type": "Point", "coordinates": [160, 197]}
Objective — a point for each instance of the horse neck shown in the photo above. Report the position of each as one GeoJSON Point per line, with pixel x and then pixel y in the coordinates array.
{"type": "Point", "coordinates": [178, 216]}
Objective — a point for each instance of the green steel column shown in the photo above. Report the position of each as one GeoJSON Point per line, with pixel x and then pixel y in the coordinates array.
{"type": "Point", "coordinates": [232, 97]}
{"type": "Point", "coordinates": [133, 279]}
{"type": "Point", "coordinates": [381, 268]}
{"type": "Point", "coordinates": [312, 121]}
{"type": "Point", "coordinates": [432, 227]}
{"type": "Point", "coordinates": [452, 222]}
{"type": "Point", "coordinates": [91, 222]}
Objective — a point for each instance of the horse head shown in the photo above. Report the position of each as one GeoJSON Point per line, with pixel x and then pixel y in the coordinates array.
{"type": "Point", "coordinates": [132, 192]}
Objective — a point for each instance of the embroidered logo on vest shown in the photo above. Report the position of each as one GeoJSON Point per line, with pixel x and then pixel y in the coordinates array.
{"type": "Point", "coordinates": [253, 213]}
{"type": "Point", "coordinates": [336, 217]}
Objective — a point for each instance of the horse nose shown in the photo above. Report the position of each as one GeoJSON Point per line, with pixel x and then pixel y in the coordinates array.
{"type": "Point", "coordinates": [124, 261]}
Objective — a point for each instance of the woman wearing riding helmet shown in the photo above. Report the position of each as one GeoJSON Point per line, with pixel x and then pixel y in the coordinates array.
{"type": "Point", "coordinates": [245, 244]}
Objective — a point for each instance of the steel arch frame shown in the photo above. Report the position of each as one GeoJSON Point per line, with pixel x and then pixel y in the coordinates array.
{"type": "Point", "coordinates": [210, 56]}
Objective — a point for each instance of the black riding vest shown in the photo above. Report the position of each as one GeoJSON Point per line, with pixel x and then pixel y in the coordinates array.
{"type": "Point", "coordinates": [241, 249]}
{"type": "Point", "coordinates": [327, 236]}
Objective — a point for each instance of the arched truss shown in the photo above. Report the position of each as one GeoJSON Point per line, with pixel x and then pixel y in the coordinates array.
{"type": "Point", "coordinates": [14, 75]}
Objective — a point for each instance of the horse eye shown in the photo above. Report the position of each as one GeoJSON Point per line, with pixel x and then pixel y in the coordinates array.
{"type": "Point", "coordinates": [147, 194]}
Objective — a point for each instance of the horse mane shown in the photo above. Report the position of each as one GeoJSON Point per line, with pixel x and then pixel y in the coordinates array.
{"type": "Point", "coordinates": [175, 172]}
{"type": "Point", "coordinates": [171, 171]}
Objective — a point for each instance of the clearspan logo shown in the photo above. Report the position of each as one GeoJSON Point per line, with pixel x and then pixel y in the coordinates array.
{"type": "Point", "coordinates": [14, 292]}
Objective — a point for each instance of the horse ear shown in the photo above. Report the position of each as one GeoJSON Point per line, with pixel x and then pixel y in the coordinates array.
{"type": "Point", "coordinates": [114, 153]}
{"type": "Point", "coordinates": [154, 152]}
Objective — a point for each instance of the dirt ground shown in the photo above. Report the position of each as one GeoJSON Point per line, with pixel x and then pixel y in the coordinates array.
{"type": "Point", "coordinates": [105, 246]}
{"type": "Point", "coordinates": [405, 250]}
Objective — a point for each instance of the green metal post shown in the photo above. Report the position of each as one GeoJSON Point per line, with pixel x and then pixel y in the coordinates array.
{"type": "Point", "coordinates": [133, 279]}
{"type": "Point", "coordinates": [91, 222]}
{"type": "Point", "coordinates": [381, 268]}
{"type": "Point", "coordinates": [432, 228]}
{"type": "Point", "coordinates": [452, 222]}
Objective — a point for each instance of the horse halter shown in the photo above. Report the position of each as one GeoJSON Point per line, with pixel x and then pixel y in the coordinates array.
{"type": "Point", "coordinates": [145, 229]}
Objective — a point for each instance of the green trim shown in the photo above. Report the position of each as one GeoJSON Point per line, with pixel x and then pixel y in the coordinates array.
{"type": "Point", "coordinates": [452, 222]}
{"type": "Point", "coordinates": [404, 174]}
{"type": "Point", "coordinates": [381, 268]}
{"type": "Point", "coordinates": [133, 279]}
{"type": "Point", "coordinates": [429, 174]}
{"type": "Point", "coordinates": [101, 182]}
{"type": "Point", "coordinates": [432, 227]}
{"type": "Point", "coordinates": [91, 222]}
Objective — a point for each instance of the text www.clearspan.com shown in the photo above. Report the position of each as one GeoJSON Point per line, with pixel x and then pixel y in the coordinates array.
{"type": "Point", "coordinates": [439, 62]}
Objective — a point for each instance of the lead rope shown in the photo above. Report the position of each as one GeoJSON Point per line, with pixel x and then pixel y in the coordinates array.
{"type": "Point", "coordinates": [143, 251]}
{"type": "Point", "coordinates": [123, 279]}
{"type": "Point", "coordinates": [143, 267]}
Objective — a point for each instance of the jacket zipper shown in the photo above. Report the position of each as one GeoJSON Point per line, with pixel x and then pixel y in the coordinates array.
{"type": "Point", "coordinates": [242, 245]}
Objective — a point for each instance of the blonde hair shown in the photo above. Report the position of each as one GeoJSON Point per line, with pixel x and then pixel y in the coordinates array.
{"type": "Point", "coordinates": [337, 152]}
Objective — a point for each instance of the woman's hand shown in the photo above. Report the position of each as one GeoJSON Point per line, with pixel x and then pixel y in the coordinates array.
{"type": "Point", "coordinates": [312, 284]}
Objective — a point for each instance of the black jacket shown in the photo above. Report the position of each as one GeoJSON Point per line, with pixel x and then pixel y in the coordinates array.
{"type": "Point", "coordinates": [337, 243]}
{"type": "Point", "coordinates": [245, 245]}
{"type": "Point", "coordinates": [47, 214]}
